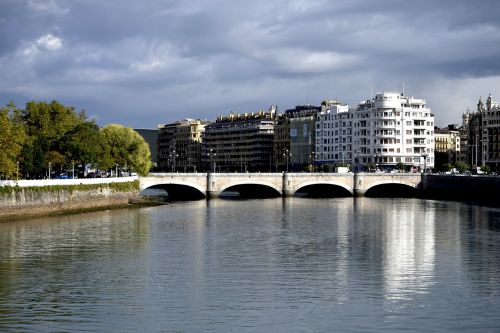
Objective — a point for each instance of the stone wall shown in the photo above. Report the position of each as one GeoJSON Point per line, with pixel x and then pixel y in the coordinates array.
{"type": "Point", "coordinates": [30, 202]}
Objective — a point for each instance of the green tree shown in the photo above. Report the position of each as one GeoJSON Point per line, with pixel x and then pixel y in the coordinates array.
{"type": "Point", "coordinates": [461, 166]}
{"type": "Point", "coordinates": [126, 147]}
{"type": "Point", "coordinates": [49, 127]}
{"type": "Point", "coordinates": [83, 144]}
{"type": "Point", "coordinates": [12, 138]}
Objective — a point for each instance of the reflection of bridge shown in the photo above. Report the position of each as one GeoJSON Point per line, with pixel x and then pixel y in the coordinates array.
{"type": "Point", "coordinates": [211, 185]}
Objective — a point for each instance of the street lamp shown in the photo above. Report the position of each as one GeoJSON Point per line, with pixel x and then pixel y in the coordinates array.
{"type": "Point", "coordinates": [424, 155]}
{"type": "Point", "coordinates": [212, 155]}
{"type": "Point", "coordinates": [312, 162]}
{"type": "Point", "coordinates": [356, 161]}
{"type": "Point", "coordinates": [116, 170]}
{"type": "Point", "coordinates": [50, 165]}
{"type": "Point", "coordinates": [287, 156]}
{"type": "Point", "coordinates": [174, 155]}
{"type": "Point", "coordinates": [17, 170]}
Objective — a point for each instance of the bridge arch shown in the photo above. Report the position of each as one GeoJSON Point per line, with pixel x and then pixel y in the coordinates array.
{"type": "Point", "coordinates": [324, 188]}
{"type": "Point", "coordinates": [178, 190]}
{"type": "Point", "coordinates": [252, 189]}
{"type": "Point", "coordinates": [390, 189]}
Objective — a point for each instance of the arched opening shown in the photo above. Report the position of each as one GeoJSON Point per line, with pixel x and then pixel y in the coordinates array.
{"type": "Point", "coordinates": [249, 191]}
{"type": "Point", "coordinates": [171, 192]}
{"type": "Point", "coordinates": [323, 191]}
{"type": "Point", "coordinates": [391, 191]}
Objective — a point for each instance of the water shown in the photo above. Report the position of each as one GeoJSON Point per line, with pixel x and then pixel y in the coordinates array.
{"type": "Point", "coordinates": [274, 265]}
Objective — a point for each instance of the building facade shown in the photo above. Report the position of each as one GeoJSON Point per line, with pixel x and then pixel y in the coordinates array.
{"type": "Point", "coordinates": [294, 138]}
{"type": "Point", "coordinates": [484, 135]}
{"type": "Point", "coordinates": [240, 142]}
{"type": "Point", "coordinates": [447, 147]}
{"type": "Point", "coordinates": [179, 145]}
{"type": "Point", "coordinates": [334, 134]}
{"type": "Point", "coordinates": [151, 138]}
{"type": "Point", "coordinates": [393, 129]}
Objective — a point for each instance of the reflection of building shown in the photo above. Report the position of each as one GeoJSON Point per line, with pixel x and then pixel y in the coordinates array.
{"type": "Point", "coordinates": [484, 134]}
{"type": "Point", "coordinates": [151, 137]}
{"type": "Point", "coordinates": [179, 145]}
{"type": "Point", "coordinates": [409, 263]}
{"type": "Point", "coordinates": [240, 142]}
{"type": "Point", "coordinates": [294, 138]}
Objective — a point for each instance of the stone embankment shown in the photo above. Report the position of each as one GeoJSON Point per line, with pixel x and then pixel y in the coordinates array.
{"type": "Point", "coordinates": [24, 199]}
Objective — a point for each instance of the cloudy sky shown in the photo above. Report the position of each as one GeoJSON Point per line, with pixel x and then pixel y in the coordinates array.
{"type": "Point", "coordinates": [141, 63]}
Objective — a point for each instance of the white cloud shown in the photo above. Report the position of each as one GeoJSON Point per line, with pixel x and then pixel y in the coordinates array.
{"type": "Point", "coordinates": [300, 61]}
{"type": "Point", "coordinates": [47, 6]}
{"type": "Point", "coordinates": [49, 42]}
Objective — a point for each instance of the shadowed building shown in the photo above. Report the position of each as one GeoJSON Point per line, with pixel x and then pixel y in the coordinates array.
{"type": "Point", "coordinates": [240, 142]}
{"type": "Point", "coordinates": [151, 137]}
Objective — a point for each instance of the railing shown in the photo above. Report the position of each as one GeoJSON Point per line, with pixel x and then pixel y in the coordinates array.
{"type": "Point", "coordinates": [56, 182]}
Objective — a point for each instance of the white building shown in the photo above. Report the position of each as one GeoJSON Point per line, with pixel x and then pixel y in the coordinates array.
{"type": "Point", "coordinates": [334, 125]}
{"type": "Point", "coordinates": [391, 128]}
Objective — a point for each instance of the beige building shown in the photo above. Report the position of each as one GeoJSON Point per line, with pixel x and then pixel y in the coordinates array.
{"type": "Point", "coordinates": [447, 146]}
{"type": "Point", "coordinates": [179, 145]}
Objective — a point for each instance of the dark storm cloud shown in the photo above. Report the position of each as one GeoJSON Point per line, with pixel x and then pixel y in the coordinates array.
{"type": "Point", "coordinates": [143, 63]}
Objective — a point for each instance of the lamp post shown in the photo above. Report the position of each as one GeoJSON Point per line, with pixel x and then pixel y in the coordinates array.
{"type": "Point", "coordinates": [424, 155]}
{"type": "Point", "coordinates": [174, 155]}
{"type": "Point", "coordinates": [287, 156]}
{"type": "Point", "coordinates": [116, 170]}
{"type": "Point", "coordinates": [17, 170]}
{"type": "Point", "coordinates": [356, 161]}
{"type": "Point", "coordinates": [212, 155]}
{"type": "Point", "coordinates": [312, 162]}
{"type": "Point", "coordinates": [50, 166]}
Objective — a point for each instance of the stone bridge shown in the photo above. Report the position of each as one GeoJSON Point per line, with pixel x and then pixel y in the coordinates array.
{"type": "Point", "coordinates": [211, 185]}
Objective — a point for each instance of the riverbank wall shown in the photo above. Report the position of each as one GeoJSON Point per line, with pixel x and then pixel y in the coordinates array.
{"type": "Point", "coordinates": [26, 199]}
{"type": "Point", "coordinates": [461, 187]}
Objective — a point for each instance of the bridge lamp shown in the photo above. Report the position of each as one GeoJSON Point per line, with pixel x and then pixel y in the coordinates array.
{"type": "Point", "coordinates": [287, 156]}
{"type": "Point", "coordinates": [424, 155]}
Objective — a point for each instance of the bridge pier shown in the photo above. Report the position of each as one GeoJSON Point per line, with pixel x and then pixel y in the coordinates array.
{"type": "Point", "coordinates": [287, 190]}
{"type": "Point", "coordinates": [358, 190]}
{"type": "Point", "coordinates": [212, 192]}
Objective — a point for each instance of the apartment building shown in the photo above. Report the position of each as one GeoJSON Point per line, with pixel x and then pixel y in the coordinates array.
{"type": "Point", "coordinates": [240, 142]}
{"type": "Point", "coordinates": [179, 145]}
{"type": "Point", "coordinates": [447, 146]}
{"type": "Point", "coordinates": [334, 134]}
{"type": "Point", "coordinates": [484, 134]}
{"type": "Point", "coordinates": [294, 139]}
{"type": "Point", "coordinates": [381, 132]}
{"type": "Point", "coordinates": [393, 128]}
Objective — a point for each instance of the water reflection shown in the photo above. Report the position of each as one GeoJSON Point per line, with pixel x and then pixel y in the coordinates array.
{"type": "Point", "coordinates": [276, 265]}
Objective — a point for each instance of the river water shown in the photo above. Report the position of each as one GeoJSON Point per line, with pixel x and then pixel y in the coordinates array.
{"type": "Point", "coordinates": [274, 265]}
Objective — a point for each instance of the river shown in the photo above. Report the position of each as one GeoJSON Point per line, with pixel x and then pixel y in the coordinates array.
{"type": "Point", "coordinates": [274, 265]}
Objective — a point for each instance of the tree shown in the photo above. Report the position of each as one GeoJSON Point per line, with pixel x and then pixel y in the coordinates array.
{"type": "Point", "coordinates": [461, 166]}
{"type": "Point", "coordinates": [83, 144]}
{"type": "Point", "coordinates": [126, 147]}
{"type": "Point", "coordinates": [12, 138]}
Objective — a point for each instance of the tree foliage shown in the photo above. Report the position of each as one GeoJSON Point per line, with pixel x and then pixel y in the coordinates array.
{"type": "Point", "coordinates": [127, 148]}
{"type": "Point", "coordinates": [12, 138]}
{"type": "Point", "coordinates": [51, 133]}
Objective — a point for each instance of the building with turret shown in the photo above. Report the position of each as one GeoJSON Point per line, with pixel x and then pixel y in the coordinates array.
{"type": "Point", "coordinates": [484, 134]}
